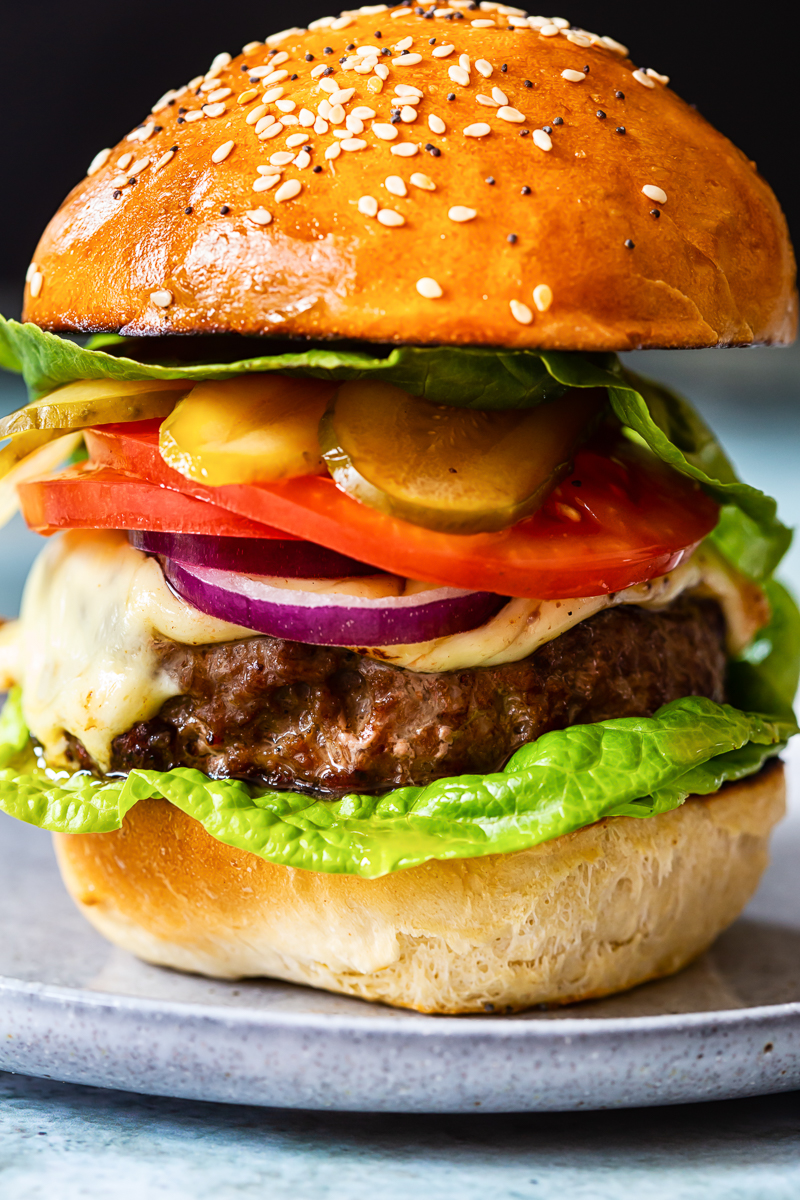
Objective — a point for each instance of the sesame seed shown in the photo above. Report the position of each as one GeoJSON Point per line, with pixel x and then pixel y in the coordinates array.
{"type": "Point", "coordinates": [629, 244]}
{"type": "Point", "coordinates": [285, 106]}
{"type": "Point", "coordinates": [405, 44]}
{"type": "Point", "coordinates": [270, 131]}
{"type": "Point", "coordinates": [265, 182]}
{"type": "Point", "coordinates": [333, 151]}
{"type": "Point", "coordinates": [654, 212]}
{"type": "Point", "coordinates": [429, 288]}
{"type": "Point", "coordinates": [617, 47]}
{"type": "Point", "coordinates": [387, 216]}
{"type": "Point", "coordinates": [124, 161]}
{"type": "Point", "coordinates": [405, 149]}
{"type": "Point", "coordinates": [558, 121]}
{"type": "Point", "coordinates": [161, 299]}
{"type": "Point", "coordinates": [264, 123]}
{"type": "Point", "coordinates": [434, 150]}
{"type": "Point", "coordinates": [395, 185]}
{"type": "Point", "coordinates": [651, 74]}
{"type": "Point", "coordinates": [317, 170]}
{"type": "Point", "coordinates": [214, 110]}
{"type": "Point", "coordinates": [542, 297]}
{"type": "Point", "coordinates": [363, 113]}
{"type": "Point", "coordinates": [368, 206]}
{"type": "Point", "coordinates": [246, 96]}
{"type": "Point", "coordinates": [487, 100]}
{"type": "Point", "coordinates": [479, 129]}
{"type": "Point", "coordinates": [116, 194]}
{"type": "Point", "coordinates": [525, 191]}
{"type": "Point", "coordinates": [328, 50]}
{"type": "Point", "coordinates": [295, 140]}
{"type": "Point", "coordinates": [482, 24]}
{"type": "Point", "coordinates": [387, 133]}
{"type": "Point", "coordinates": [189, 210]}
{"type": "Point", "coordinates": [527, 83]}
{"type": "Point", "coordinates": [443, 51]}
{"type": "Point", "coordinates": [451, 95]}
{"type": "Point", "coordinates": [406, 89]}
{"type": "Point", "coordinates": [600, 114]}
{"type": "Point", "coordinates": [219, 94]}
{"type": "Point", "coordinates": [461, 214]}
{"type": "Point", "coordinates": [459, 75]}
{"type": "Point", "coordinates": [655, 193]}
{"type": "Point", "coordinates": [463, 61]}
{"type": "Point", "coordinates": [549, 31]}
{"type": "Point", "coordinates": [353, 144]}
{"type": "Point", "coordinates": [512, 238]}
{"type": "Point", "coordinates": [498, 96]}
{"type": "Point", "coordinates": [320, 125]}
{"type": "Point", "coordinates": [409, 114]}
{"type": "Point", "coordinates": [225, 210]}
{"type": "Point", "coordinates": [303, 159]}
{"type": "Point", "coordinates": [490, 179]}
{"type": "Point", "coordinates": [573, 76]}
{"type": "Point", "coordinates": [100, 159]}
{"type": "Point", "coordinates": [288, 190]}
{"type": "Point", "coordinates": [165, 158]}
{"type": "Point", "coordinates": [483, 67]}
{"type": "Point", "coordinates": [222, 152]}
{"type": "Point", "coordinates": [36, 283]}
{"type": "Point", "coordinates": [620, 129]}
{"type": "Point", "coordinates": [640, 77]}
{"type": "Point", "coordinates": [578, 39]}
{"type": "Point", "coordinates": [272, 95]}
{"type": "Point", "coordinates": [342, 95]}
{"type": "Point", "coordinates": [436, 124]}
{"type": "Point", "coordinates": [619, 95]}
{"type": "Point", "coordinates": [586, 69]}
{"type": "Point", "coordinates": [408, 60]}
{"type": "Point", "coordinates": [256, 114]}
{"type": "Point", "coordinates": [520, 312]}
{"type": "Point", "coordinates": [510, 114]}
{"type": "Point", "coordinates": [423, 181]}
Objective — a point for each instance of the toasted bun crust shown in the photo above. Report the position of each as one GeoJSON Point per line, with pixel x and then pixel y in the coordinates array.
{"type": "Point", "coordinates": [713, 267]}
{"type": "Point", "coordinates": [594, 912]}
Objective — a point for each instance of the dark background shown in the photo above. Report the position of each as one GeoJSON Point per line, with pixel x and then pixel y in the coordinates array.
{"type": "Point", "coordinates": [78, 75]}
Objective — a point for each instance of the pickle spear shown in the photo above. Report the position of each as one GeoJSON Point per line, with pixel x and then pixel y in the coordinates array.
{"type": "Point", "coordinates": [451, 469]}
{"type": "Point", "coordinates": [256, 428]}
{"type": "Point", "coordinates": [95, 402]}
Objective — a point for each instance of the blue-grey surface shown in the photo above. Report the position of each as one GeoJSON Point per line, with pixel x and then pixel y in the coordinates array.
{"type": "Point", "coordinates": [68, 1142]}
{"type": "Point", "coordinates": [77, 1143]}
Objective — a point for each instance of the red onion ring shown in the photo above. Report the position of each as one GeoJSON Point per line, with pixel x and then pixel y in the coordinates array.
{"type": "Point", "coordinates": [289, 559]}
{"type": "Point", "coordinates": [326, 620]}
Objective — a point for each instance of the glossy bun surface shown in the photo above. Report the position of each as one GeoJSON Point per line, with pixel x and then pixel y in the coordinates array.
{"type": "Point", "coordinates": [503, 205]}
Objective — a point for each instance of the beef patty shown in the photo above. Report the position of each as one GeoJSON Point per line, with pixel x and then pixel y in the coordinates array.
{"type": "Point", "coordinates": [326, 720]}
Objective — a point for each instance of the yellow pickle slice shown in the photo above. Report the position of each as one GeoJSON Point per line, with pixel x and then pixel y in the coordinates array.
{"type": "Point", "coordinates": [95, 402]}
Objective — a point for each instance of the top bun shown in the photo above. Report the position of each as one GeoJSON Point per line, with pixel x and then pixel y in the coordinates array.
{"type": "Point", "coordinates": [528, 187]}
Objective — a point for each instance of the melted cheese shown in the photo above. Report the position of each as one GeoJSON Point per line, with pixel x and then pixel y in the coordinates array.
{"type": "Point", "coordinates": [85, 648]}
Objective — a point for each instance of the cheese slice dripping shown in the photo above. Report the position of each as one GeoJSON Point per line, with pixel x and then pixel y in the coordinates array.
{"type": "Point", "coordinates": [96, 612]}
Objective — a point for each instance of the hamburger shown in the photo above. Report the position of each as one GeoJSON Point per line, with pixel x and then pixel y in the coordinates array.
{"type": "Point", "coordinates": [392, 636]}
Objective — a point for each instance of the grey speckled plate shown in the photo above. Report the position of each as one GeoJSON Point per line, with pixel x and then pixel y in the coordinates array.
{"type": "Point", "coordinates": [74, 1008]}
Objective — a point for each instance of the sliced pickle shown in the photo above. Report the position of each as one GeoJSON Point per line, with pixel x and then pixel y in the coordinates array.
{"type": "Point", "coordinates": [31, 454]}
{"type": "Point", "coordinates": [96, 402]}
{"type": "Point", "coordinates": [451, 469]}
{"type": "Point", "coordinates": [256, 428]}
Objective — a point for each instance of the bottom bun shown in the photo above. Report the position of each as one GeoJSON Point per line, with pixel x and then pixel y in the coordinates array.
{"type": "Point", "coordinates": [593, 912]}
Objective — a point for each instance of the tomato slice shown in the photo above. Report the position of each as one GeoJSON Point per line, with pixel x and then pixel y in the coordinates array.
{"type": "Point", "coordinates": [622, 517]}
{"type": "Point", "coordinates": [88, 496]}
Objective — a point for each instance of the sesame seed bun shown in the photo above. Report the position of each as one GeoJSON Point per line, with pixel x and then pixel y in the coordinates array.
{"type": "Point", "coordinates": [587, 914]}
{"type": "Point", "coordinates": [579, 205]}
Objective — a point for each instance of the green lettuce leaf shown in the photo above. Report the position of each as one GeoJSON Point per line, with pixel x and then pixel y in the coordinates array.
{"type": "Point", "coordinates": [749, 533]}
{"type": "Point", "coordinates": [469, 377]}
{"type": "Point", "coordinates": [559, 783]}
